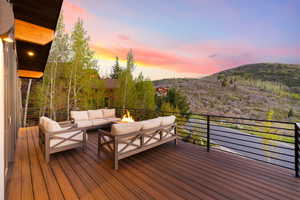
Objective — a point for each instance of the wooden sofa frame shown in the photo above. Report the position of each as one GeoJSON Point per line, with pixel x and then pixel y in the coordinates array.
{"type": "Point", "coordinates": [109, 142]}
{"type": "Point", "coordinates": [46, 136]}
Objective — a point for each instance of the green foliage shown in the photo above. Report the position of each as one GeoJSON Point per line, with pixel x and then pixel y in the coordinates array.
{"type": "Point", "coordinates": [145, 93]}
{"type": "Point", "coordinates": [116, 70]}
{"type": "Point", "coordinates": [83, 66]}
{"type": "Point", "coordinates": [134, 93]}
{"type": "Point", "coordinates": [285, 74]}
{"type": "Point", "coordinates": [225, 82]}
{"type": "Point", "coordinates": [71, 75]}
{"type": "Point", "coordinates": [126, 93]}
{"type": "Point", "coordinates": [291, 113]}
{"type": "Point", "coordinates": [169, 108]}
{"type": "Point", "coordinates": [177, 100]}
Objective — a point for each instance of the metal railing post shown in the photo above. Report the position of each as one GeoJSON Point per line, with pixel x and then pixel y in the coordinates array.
{"type": "Point", "coordinates": [297, 129]}
{"type": "Point", "coordinates": [208, 134]}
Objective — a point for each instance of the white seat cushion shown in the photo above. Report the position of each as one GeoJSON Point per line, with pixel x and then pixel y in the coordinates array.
{"type": "Point", "coordinates": [124, 128]}
{"type": "Point", "coordinates": [95, 114]}
{"type": "Point", "coordinates": [66, 135]}
{"type": "Point", "coordinates": [167, 120]}
{"type": "Point", "coordinates": [97, 122]}
{"type": "Point", "coordinates": [113, 119]}
{"type": "Point", "coordinates": [108, 113]}
{"type": "Point", "coordinates": [80, 115]}
{"type": "Point", "coordinates": [84, 123]}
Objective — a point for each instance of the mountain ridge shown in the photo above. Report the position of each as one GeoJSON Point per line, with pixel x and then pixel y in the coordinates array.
{"type": "Point", "coordinates": [245, 91]}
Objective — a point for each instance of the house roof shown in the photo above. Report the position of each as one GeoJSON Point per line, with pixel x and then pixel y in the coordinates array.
{"type": "Point", "coordinates": [111, 83]}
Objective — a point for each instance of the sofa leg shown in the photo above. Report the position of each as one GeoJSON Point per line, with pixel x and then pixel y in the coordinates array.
{"type": "Point", "coordinates": [47, 157]}
{"type": "Point", "coordinates": [175, 141]}
{"type": "Point", "coordinates": [84, 141]}
{"type": "Point", "coordinates": [99, 144]}
{"type": "Point", "coordinates": [116, 164]}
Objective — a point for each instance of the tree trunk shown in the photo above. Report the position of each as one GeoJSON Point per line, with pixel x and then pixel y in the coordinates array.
{"type": "Point", "coordinates": [75, 86]}
{"type": "Point", "coordinates": [53, 92]}
{"type": "Point", "coordinates": [69, 94]}
{"type": "Point", "coordinates": [26, 102]}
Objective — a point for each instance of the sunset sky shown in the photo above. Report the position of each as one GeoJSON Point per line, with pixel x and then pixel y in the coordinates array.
{"type": "Point", "coordinates": [189, 38]}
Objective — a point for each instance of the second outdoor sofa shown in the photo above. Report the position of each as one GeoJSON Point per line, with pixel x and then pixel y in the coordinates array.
{"type": "Point", "coordinates": [126, 139]}
{"type": "Point", "coordinates": [93, 119]}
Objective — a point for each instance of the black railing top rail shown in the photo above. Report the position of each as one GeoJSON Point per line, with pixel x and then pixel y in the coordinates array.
{"type": "Point", "coordinates": [216, 116]}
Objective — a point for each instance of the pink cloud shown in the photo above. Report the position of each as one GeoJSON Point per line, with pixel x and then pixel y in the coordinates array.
{"type": "Point", "coordinates": [123, 37]}
{"type": "Point", "coordinates": [161, 59]}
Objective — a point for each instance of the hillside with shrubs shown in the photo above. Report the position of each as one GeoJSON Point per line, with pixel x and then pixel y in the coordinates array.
{"type": "Point", "coordinates": [250, 91]}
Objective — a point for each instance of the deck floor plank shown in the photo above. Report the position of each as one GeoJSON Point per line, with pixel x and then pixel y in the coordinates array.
{"type": "Point", "coordinates": [222, 173]}
{"type": "Point", "coordinates": [100, 168]}
{"type": "Point", "coordinates": [26, 180]}
{"type": "Point", "coordinates": [185, 171]}
{"type": "Point", "coordinates": [40, 190]}
{"type": "Point", "coordinates": [14, 184]}
{"type": "Point", "coordinates": [54, 189]}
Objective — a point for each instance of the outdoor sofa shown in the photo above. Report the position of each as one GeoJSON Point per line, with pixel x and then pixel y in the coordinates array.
{"type": "Point", "coordinates": [94, 119]}
{"type": "Point", "coordinates": [126, 139]}
{"type": "Point", "coordinates": [56, 137]}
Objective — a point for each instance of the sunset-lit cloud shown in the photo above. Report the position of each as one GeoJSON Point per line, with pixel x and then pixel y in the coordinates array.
{"type": "Point", "coordinates": [190, 43]}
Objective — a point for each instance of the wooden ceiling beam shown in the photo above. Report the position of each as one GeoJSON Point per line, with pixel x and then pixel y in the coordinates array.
{"type": "Point", "coordinates": [28, 32]}
{"type": "Point", "coordinates": [29, 74]}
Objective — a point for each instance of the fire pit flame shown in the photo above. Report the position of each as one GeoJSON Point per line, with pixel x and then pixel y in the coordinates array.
{"type": "Point", "coordinates": [127, 117]}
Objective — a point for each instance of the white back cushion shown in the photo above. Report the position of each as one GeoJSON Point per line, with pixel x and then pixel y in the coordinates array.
{"type": "Point", "coordinates": [151, 123]}
{"type": "Point", "coordinates": [95, 114]}
{"type": "Point", "coordinates": [80, 115]}
{"type": "Point", "coordinates": [109, 113]}
{"type": "Point", "coordinates": [124, 128]}
{"type": "Point", "coordinates": [42, 120]}
{"type": "Point", "coordinates": [167, 120]}
{"type": "Point", "coordinates": [52, 126]}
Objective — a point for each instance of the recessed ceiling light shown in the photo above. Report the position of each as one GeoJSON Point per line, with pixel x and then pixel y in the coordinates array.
{"type": "Point", "coordinates": [30, 53]}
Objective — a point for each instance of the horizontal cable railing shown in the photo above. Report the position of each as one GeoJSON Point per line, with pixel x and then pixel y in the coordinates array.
{"type": "Point", "coordinates": [270, 141]}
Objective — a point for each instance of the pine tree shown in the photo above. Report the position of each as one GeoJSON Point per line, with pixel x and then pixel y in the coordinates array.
{"type": "Point", "coordinates": [82, 63]}
{"type": "Point", "coordinates": [126, 93]}
{"type": "Point", "coordinates": [116, 70]}
{"type": "Point", "coordinates": [145, 93]}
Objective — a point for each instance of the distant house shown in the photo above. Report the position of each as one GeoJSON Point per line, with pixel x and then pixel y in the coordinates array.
{"type": "Point", "coordinates": [110, 86]}
{"type": "Point", "coordinates": [162, 91]}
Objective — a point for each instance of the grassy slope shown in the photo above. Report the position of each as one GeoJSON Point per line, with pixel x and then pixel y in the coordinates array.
{"type": "Point", "coordinates": [240, 98]}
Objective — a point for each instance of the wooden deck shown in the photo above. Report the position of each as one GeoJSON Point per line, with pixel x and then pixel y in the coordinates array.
{"type": "Point", "coordinates": [166, 172]}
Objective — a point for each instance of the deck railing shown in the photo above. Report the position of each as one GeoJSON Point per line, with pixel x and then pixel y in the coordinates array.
{"type": "Point", "coordinates": [297, 148]}
{"type": "Point", "coordinates": [269, 141]}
